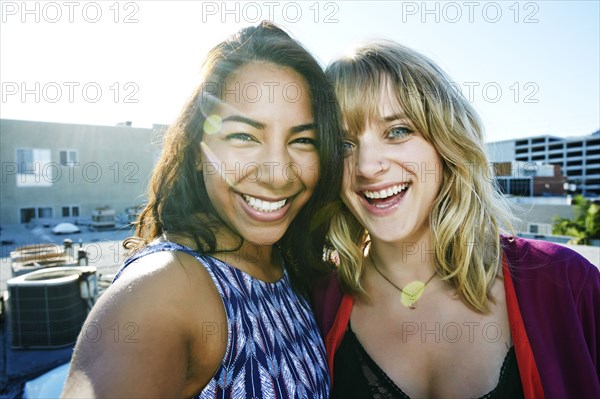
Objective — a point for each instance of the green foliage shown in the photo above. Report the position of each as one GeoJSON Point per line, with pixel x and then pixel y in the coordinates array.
{"type": "Point", "coordinates": [585, 226]}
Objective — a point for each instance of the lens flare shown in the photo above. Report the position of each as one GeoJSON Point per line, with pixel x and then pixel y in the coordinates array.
{"type": "Point", "coordinates": [215, 163]}
{"type": "Point", "coordinates": [212, 124]}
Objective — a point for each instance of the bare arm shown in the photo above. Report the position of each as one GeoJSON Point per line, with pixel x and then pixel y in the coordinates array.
{"type": "Point", "coordinates": [142, 338]}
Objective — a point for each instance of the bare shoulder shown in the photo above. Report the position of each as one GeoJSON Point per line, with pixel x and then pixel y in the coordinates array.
{"type": "Point", "coordinates": [143, 336]}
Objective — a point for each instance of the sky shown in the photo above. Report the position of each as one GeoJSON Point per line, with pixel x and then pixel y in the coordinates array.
{"type": "Point", "coordinates": [528, 67]}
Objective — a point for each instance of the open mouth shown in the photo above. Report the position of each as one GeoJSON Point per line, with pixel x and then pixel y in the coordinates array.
{"type": "Point", "coordinates": [263, 205]}
{"type": "Point", "coordinates": [386, 197]}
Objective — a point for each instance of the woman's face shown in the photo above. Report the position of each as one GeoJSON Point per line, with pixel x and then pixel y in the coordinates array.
{"type": "Point", "coordinates": [392, 176]}
{"type": "Point", "coordinates": [259, 154]}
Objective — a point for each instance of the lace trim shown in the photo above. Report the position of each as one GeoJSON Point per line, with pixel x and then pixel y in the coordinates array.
{"type": "Point", "coordinates": [382, 387]}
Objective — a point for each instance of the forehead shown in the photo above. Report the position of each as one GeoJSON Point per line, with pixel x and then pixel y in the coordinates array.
{"type": "Point", "coordinates": [266, 91]}
{"type": "Point", "coordinates": [263, 71]}
{"type": "Point", "coordinates": [265, 82]}
{"type": "Point", "coordinates": [378, 108]}
{"type": "Point", "coordinates": [389, 105]}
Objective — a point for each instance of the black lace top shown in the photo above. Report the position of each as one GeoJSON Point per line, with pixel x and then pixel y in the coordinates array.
{"type": "Point", "coordinates": [356, 375]}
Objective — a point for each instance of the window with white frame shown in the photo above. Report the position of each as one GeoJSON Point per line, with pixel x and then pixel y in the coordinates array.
{"type": "Point", "coordinates": [67, 157]}
{"type": "Point", "coordinates": [25, 163]}
{"type": "Point", "coordinates": [34, 167]}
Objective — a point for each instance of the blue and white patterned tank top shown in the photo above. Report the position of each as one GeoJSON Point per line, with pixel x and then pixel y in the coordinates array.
{"type": "Point", "coordinates": [274, 349]}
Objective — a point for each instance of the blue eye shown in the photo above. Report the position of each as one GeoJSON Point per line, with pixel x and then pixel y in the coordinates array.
{"type": "Point", "coordinates": [399, 132]}
{"type": "Point", "coordinates": [348, 146]}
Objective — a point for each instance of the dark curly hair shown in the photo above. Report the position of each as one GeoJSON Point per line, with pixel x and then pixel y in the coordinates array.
{"type": "Point", "coordinates": [177, 198]}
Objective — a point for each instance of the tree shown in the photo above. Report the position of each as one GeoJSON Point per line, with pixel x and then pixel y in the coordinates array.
{"type": "Point", "coordinates": [585, 226]}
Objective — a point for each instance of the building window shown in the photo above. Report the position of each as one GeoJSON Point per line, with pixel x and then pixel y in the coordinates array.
{"type": "Point", "coordinates": [27, 214]}
{"type": "Point", "coordinates": [539, 228]}
{"type": "Point", "coordinates": [67, 157]}
{"type": "Point", "coordinates": [68, 211]}
{"type": "Point", "coordinates": [25, 165]}
{"type": "Point", "coordinates": [34, 167]}
{"type": "Point", "coordinates": [45, 213]}
{"type": "Point", "coordinates": [518, 187]}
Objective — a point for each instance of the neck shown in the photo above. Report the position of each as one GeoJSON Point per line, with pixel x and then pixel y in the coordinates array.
{"type": "Point", "coordinates": [404, 261]}
{"type": "Point", "coordinates": [259, 260]}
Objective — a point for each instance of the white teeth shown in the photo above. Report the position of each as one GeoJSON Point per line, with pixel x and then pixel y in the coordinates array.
{"type": "Point", "coordinates": [385, 193]}
{"type": "Point", "coordinates": [262, 205]}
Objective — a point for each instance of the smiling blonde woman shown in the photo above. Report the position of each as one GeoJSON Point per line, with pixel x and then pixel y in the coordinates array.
{"type": "Point", "coordinates": [430, 300]}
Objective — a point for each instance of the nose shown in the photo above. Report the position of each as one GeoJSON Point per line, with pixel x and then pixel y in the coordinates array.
{"type": "Point", "coordinates": [276, 169]}
{"type": "Point", "coordinates": [370, 160]}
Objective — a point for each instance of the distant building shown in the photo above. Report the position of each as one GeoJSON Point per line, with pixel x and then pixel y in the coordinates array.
{"type": "Point", "coordinates": [530, 179]}
{"type": "Point", "coordinates": [535, 215]}
{"type": "Point", "coordinates": [59, 170]}
{"type": "Point", "coordinates": [577, 157]}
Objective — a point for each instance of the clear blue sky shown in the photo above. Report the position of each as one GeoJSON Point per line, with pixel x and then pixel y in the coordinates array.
{"type": "Point", "coordinates": [529, 67]}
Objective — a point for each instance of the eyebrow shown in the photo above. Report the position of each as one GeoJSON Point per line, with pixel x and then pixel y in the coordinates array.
{"type": "Point", "coordinates": [394, 117]}
{"type": "Point", "coordinates": [302, 128]}
{"type": "Point", "coordinates": [262, 126]}
{"type": "Point", "coordinates": [243, 119]}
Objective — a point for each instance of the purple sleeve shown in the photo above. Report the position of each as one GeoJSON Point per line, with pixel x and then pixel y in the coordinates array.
{"type": "Point", "coordinates": [558, 291]}
{"type": "Point", "coordinates": [588, 310]}
{"type": "Point", "coordinates": [326, 299]}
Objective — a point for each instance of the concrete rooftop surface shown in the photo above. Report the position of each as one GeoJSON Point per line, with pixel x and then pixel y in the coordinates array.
{"type": "Point", "coordinates": [105, 249]}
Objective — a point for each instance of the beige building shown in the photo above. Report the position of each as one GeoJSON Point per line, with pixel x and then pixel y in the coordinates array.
{"type": "Point", "coordinates": [60, 171]}
{"type": "Point", "coordinates": [577, 157]}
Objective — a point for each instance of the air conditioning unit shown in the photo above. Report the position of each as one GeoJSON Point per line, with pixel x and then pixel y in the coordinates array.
{"type": "Point", "coordinates": [103, 218]}
{"type": "Point", "coordinates": [47, 308]}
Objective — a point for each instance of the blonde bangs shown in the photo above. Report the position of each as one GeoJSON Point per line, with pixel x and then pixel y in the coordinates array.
{"type": "Point", "coordinates": [357, 89]}
{"type": "Point", "coordinates": [360, 82]}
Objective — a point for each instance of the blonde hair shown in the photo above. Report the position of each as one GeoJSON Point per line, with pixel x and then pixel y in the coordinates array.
{"type": "Point", "coordinates": [469, 212]}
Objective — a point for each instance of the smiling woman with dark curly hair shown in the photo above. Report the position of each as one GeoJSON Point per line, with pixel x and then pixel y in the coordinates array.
{"type": "Point", "coordinates": [215, 293]}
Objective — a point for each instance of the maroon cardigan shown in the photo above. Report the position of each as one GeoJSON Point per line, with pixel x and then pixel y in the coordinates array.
{"type": "Point", "coordinates": [553, 301]}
